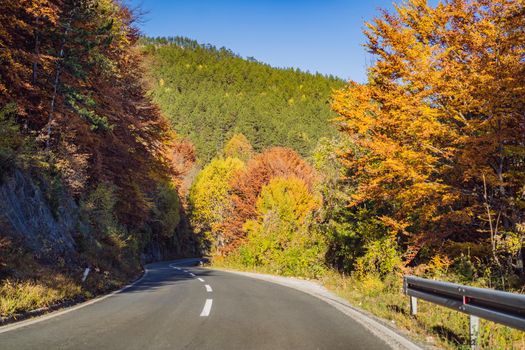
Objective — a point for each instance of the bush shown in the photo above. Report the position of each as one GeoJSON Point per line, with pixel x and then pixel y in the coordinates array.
{"type": "Point", "coordinates": [382, 258]}
{"type": "Point", "coordinates": [111, 245]}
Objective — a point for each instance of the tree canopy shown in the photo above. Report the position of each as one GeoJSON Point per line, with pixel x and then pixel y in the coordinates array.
{"type": "Point", "coordinates": [210, 94]}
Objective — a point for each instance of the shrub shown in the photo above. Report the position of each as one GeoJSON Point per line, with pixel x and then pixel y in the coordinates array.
{"type": "Point", "coordinates": [382, 257]}
{"type": "Point", "coordinates": [14, 147]}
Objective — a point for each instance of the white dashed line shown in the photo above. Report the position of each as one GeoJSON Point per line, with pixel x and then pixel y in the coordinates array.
{"type": "Point", "coordinates": [208, 288]}
{"type": "Point", "coordinates": [200, 279]}
{"type": "Point", "coordinates": [207, 308]}
{"type": "Point", "coordinates": [192, 274]}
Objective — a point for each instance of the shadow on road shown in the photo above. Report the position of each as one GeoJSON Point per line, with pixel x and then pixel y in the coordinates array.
{"type": "Point", "coordinates": [161, 274]}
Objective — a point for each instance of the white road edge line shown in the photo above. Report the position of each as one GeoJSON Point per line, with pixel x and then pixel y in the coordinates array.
{"type": "Point", "coordinates": [200, 279]}
{"type": "Point", "coordinates": [392, 338]}
{"type": "Point", "coordinates": [208, 288]}
{"type": "Point", "coordinates": [38, 319]}
{"type": "Point", "coordinates": [207, 308]}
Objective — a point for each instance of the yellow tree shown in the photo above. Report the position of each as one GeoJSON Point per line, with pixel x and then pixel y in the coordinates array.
{"type": "Point", "coordinates": [210, 197]}
{"type": "Point", "coordinates": [280, 237]}
{"type": "Point", "coordinates": [440, 124]}
{"type": "Point", "coordinates": [238, 147]}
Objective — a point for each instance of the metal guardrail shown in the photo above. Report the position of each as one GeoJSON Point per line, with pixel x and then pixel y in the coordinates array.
{"type": "Point", "coordinates": [497, 306]}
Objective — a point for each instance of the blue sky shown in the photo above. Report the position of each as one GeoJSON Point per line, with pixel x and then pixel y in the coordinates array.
{"type": "Point", "coordinates": [316, 35]}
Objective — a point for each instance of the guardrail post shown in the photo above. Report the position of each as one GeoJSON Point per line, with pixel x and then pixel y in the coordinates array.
{"type": "Point", "coordinates": [413, 305]}
{"type": "Point", "coordinates": [474, 331]}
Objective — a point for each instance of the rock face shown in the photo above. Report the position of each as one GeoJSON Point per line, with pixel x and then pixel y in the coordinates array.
{"type": "Point", "coordinates": [27, 215]}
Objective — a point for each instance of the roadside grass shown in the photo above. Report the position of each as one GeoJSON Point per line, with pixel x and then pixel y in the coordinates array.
{"type": "Point", "coordinates": [433, 324]}
{"type": "Point", "coordinates": [18, 296]}
{"type": "Point", "coordinates": [384, 298]}
{"type": "Point", "coordinates": [28, 283]}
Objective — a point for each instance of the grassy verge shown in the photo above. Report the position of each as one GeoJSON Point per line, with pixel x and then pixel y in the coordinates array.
{"type": "Point", "coordinates": [384, 298]}
{"type": "Point", "coordinates": [27, 283]}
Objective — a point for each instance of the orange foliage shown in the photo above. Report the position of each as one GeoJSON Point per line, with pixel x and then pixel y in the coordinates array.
{"type": "Point", "coordinates": [274, 162]}
{"type": "Point", "coordinates": [71, 68]}
{"type": "Point", "coordinates": [183, 158]}
{"type": "Point", "coordinates": [443, 108]}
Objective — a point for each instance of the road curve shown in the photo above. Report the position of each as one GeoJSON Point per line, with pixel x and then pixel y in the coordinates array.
{"type": "Point", "coordinates": [176, 306]}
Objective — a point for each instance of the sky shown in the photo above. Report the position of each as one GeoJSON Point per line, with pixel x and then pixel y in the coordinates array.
{"type": "Point", "coordinates": [322, 36]}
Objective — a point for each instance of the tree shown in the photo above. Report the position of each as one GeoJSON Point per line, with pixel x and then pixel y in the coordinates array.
{"type": "Point", "coordinates": [442, 110]}
{"type": "Point", "coordinates": [274, 162]}
{"type": "Point", "coordinates": [238, 147]}
{"type": "Point", "coordinates": [212, 94]}
{"type": "Point", "coordinates": [210, 198]}
{"type": "Point", "coordinates": [281, 238]}
{"type": "Point", "coordinates": [72, 71]}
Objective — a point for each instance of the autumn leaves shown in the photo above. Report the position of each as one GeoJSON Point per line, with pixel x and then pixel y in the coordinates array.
{"type": "Point", "coordinates": [258, 211]}
{"type": "Point", "coordinates": [440, 121]}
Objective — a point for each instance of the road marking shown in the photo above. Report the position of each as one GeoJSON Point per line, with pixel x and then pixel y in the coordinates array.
{"type": "Point", "coordinates": [200, 279]}
{"type": "Point", "coordinates": [192, 274]}
{"type": "Point", "coordinates": [208, 288]}
{"type": "Point", "coordinates": [207, 308]}
{"type": "Point", "coordinates": [12, 327]}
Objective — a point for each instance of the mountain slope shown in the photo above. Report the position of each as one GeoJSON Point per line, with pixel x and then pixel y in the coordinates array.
{"type": "Point", "coordinates": [209, 94]}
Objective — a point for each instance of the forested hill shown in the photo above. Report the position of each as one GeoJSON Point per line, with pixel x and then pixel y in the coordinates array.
{"type": "Point", "coordinates": [209, 94]}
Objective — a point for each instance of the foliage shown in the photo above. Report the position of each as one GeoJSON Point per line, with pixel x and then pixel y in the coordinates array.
{"type": "Point", "coordinates": [98, 209]}
{"type": "Point", "coordinates": [439, 126]}
{"type": "Point", "coordinates": [76, 79]}
{"type": "Point", "coordinates": [13, 145]}
{"type": "Point", "coordinates": [381, 257]}
{"type": "Point", "coordinates": [211, 94]}
{"type": "Point", "coordinates": [279, 239]}
{"type": "Point", "coordinates": [210, 197]}
{"type": "Point", "coordinates": [238, 147]}
{"type": "Point", "coordinates": [71, 69]}
{"type": "Point", "coordinates": [166, 211]}
{"type": "Point", "coordinates": [245, 188]}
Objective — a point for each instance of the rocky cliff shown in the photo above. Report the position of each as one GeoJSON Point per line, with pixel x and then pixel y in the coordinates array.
{"type": "Point", "coordinates": [27, 215]}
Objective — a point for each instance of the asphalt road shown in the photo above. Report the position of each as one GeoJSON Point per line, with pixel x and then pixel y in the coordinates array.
{"type": "Point", "coordinates": [172, 309]}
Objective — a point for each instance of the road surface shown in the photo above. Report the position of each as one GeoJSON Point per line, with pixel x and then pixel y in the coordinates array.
{"type": "Point", "coordinates": [176, 306]}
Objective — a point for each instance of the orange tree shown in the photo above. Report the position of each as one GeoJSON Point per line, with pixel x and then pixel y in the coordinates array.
{"type": "Point", "coordinates": [439, 127]}
{"type": "Point", "coordinates": [246, 187]}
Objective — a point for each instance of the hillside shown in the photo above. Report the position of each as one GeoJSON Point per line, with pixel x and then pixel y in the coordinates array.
{"type": "Point", "coordinates": [209, 94]}
{"type": "Point", "coordinates": [87, 170]}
